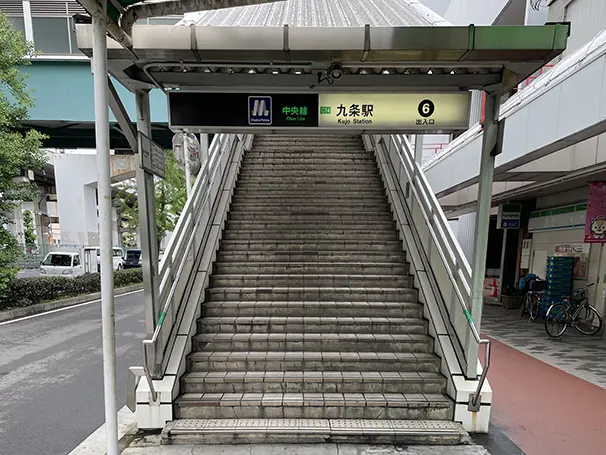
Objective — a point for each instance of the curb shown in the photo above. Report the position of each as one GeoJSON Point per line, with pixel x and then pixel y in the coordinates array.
{"type": "Point", "coordinates": [17, 313]}
{"type": "Point", "coordinates": [95, 443]}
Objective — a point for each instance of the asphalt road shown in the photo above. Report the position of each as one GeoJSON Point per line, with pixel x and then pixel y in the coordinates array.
{"type": "Point", "coordinates": [51, 375]}
{"type": "Point", "coordinates": [28, 273]}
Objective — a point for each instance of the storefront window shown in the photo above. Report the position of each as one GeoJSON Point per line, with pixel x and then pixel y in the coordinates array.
{"type": "Point", "coordinates": [51, 35]}
{"type": "Point", "coordinates": [18, 23]}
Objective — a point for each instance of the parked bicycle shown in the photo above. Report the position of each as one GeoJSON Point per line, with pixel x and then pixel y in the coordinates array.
{"type": "Point", "coordinates": [576, 312]}
{"type": "Point", "coordinates": [533, 298]}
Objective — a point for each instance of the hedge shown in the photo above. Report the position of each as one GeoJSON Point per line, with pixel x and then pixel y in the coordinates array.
{"type": "Point", "coordinates": [22, 292]}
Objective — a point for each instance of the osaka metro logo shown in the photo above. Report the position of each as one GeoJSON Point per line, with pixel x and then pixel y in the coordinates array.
{"type": "Point", "coordinates": [259, 110]}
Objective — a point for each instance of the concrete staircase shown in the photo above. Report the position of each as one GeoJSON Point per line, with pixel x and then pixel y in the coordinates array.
{"type": "Point", "coordinates": [311, 329]}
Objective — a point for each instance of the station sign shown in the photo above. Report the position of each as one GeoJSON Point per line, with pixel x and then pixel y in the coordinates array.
{"type": "Point", "coordinates": [509, 216]}
{"type": "Point", "coordinates": [399, 112]}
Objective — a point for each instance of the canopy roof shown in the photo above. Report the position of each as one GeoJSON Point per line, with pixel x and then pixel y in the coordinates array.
{"type": "Point", "coordinates": [375, 58]}
{"type": "Point", "coordinates": [321, 13]}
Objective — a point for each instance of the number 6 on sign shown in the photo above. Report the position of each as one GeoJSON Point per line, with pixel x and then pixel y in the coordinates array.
{"type": "Point", "coordinates": [426, 108]}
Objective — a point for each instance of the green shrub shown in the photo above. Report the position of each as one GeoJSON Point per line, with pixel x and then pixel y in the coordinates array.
{"type": "Point", "coordinates": [22, 292]}
{"type": "Point", "coordinates": [128, 277]}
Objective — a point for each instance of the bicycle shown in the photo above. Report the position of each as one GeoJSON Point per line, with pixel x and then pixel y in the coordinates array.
{"type": "Point", "coordinates": [533, 298]}
{"type": "Point", "coordinates": [577, 313]}
{"type": "Point", "coordinates": [532, 304]}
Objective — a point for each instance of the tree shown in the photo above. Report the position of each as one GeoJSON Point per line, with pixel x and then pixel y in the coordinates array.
{"type": "Point", "coordinates": [170, 196]}
{"type": "Point", "coordinates": [18, 151]}
{"type": "Point", "coordinates": [28, 228]}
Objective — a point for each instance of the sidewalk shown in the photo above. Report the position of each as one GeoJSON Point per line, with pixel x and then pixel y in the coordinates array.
{"type": "Point", "coordinates": [151, 447]}
{"type": "Point", "coordinates": [549, 395]}
{"type": "Point", "coordinates": [580, 355]}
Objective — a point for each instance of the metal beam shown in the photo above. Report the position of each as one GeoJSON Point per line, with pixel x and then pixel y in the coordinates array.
{"type": "Point", "coordinates": [126, 126]}
{"type": "Point", "coordinates": [309, 82]}
{"type": "Point", "coordinates": [96, 11]}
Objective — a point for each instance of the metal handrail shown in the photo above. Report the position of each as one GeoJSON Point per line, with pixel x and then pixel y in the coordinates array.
{"type": "Point", "coordinates": [455, 262]}
{"type": "Point", "coordinates": [194, 204]}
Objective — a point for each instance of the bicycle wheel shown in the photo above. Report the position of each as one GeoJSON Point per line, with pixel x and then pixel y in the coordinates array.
{"type": "Point", "coordinates": [556, 320]}
{"type": "Point", "coordinates": [535, 308]}
{"type": "Point", "coordinates": [589, 321]}
{"type": "Point", "coordinates": [524, 307]}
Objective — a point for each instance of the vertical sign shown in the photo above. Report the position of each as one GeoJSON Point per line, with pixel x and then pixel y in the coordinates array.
{"type": "Point", "coordinates": [510, 216]}
{"type": "Point", "coordinates": [151, 156]}
{"type": "Point", "coordinates": [595, 221]}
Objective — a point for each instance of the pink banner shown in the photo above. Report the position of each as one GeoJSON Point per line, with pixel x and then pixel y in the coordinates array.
{"type": "Point", "coordinates": [595, 223]}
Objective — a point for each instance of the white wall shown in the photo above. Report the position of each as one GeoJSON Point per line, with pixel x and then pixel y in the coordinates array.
{"type": "Point", "coordinates": [465, 233]}
{"type": "Point", "coordinates": [563, 199]}
{"type": "Point", "coordinates": [536, 17]}
{"type": "Point", "coordinates": [464, 12]}
{"type": "Point", "coordinates": [438, 6]}
{"type": "Point", "coordinates": [588, 18]}
{"type": "Point", "coordinates": [75, 177]}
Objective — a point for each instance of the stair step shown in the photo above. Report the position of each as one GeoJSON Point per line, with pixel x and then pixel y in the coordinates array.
{"type": "Point", "coordinates": [300, 236]}
{"type": "Point", "coordinates": [275, 267]}
{"type": "Point", "coordinates": [312, 361]}
{"type": "Point", "coordinates": [290, 185]}
{"type": "Point", "coordinates": [318, 165]}
{"type": "Point", "coordinates": [281, 216]}
{"type": "Point", "coordinates": [361, 181]}
{"type": "Point", "coordinates": [313, 382]}
{"type": "Point", "coordinates": [349, 326]}
{"type": "Point", "coordinates": [320, 225]}
{"type": "Point", "coordinates": [392, 246]}
{"type": "Point", "coordinates": [261, 193]}
{"type": "Point", "coordinates": [308, 196]}
{"type": "Point", "coordinates": [302, 309]}
{"type": "Point", "coordinates": [308, 279]}
{"type": "Point", "coordinates": [310, 256]}
{"type": "Point", "coordinates": [312, 207]}
{"type": "Point", "coordinates": [338, 294]}
{"type": "Point", "coordinates": [311, 161]}
{"type": "Point", "coordinates": [314, 406]}
{"type": "Point", "coordinates": [310, 341]}
{"type": "Point", "coordinates": [302, 431]}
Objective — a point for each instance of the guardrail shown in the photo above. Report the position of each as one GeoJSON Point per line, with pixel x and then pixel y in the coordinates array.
{"type": "Point", "coordinates": [183, 251]}
{"type": "Point", "coordinates": [450, 267]}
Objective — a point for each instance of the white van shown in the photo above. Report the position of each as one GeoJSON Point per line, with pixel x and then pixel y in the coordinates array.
{"type": "Point", "coordinates": [62, 263]}
{"type": "Point", "coordinates": [92, 257]}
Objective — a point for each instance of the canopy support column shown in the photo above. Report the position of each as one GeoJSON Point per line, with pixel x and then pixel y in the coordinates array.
{"type": "Point", "coordinates": [491, 146]}
{"type": "Point", "coordinates": [147, 223]}
{"type": "Point", "coordinates": [108, 322]}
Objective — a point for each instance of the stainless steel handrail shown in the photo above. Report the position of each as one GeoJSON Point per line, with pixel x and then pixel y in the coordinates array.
{"type": "Point", "coordinates": [454, 261]}
{"type": "Point", "coordinates": [192, 207]}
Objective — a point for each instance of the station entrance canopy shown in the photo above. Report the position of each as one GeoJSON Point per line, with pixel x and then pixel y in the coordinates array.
{"type": "Point", "coordinates": [329, 66]}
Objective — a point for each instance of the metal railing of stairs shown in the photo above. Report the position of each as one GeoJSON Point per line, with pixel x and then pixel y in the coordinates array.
{"type": "Point", "coordinates": [184, 251]}
{"type": "Point", "coordinates": [449, 268]}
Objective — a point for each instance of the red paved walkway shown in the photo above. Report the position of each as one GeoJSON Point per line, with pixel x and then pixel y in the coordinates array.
{"type": "Point", "coordinates": [544, 410]}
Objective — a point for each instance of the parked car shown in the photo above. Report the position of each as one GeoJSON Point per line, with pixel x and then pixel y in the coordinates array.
{"type": "Point", "coordinates": [92, 256]}
{"type": "Point", "coordinates": [132, 259]}
{"type": "Point", "coordinates": [62, 263]}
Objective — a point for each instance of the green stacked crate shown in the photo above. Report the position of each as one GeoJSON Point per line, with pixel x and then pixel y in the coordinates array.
{"type": "Point", "coordinates": [559, 276]}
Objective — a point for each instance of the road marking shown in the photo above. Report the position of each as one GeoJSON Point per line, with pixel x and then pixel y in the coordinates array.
{"type": "Point", "coordinates": [63, 309]}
